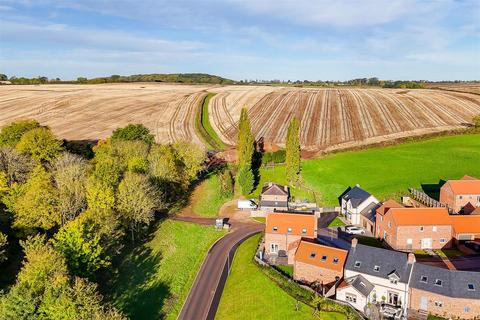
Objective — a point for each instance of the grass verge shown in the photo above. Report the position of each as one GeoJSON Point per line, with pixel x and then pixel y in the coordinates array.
{"type": "Point", "coordinates": [154, 279]}
{"type": "Point", "coordinates": [336, 223]}
{"type": "Point", "coordinates": [208, 201]}
{"type": "Point", "coordinates": [389, 171]}
{"type": "Point", "coordinates": [250, 294]}
{"type": "Point", "coordinates": [204, 128]}
{"type": "Point", "coordinates": [449, 253]}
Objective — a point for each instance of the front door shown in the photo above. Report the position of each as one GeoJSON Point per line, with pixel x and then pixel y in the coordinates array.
{"type": "Point", "coordinates": [427, 243]}
{"type": "Point", "coordinates": [423, 303]}
{"type": "Point", "coordinates": [273, 248]}
{"type": "Point", "coordinates": [393, 298]}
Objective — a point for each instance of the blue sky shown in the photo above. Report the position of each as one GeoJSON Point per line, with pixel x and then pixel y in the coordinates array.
{"type": "Point", "coordinates": [242, 39]}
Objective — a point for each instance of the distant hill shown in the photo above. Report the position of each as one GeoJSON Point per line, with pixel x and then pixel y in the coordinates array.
{"type": "Point", "coordinates": [190, 78]}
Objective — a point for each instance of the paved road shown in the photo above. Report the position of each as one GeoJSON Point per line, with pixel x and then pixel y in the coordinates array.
{"type": "Point", "coordinates": [200, 303]}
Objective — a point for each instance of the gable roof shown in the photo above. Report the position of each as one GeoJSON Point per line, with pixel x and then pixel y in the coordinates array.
{"type": "Point", "coordinates": [454, 283]}
{"type": "Point", "coordinates": [387, 205]}
{"type": "Point", "coordinates": [359, 283]}
{"type": "Point", "coordinates": [467, 177]}
{"type": "Point", "coordinates": [370, 211]}
{"type": "Point", "coordinates": [274, 189]}
{"type": "Point", "coordinates": [420, 216]}
{"type": "Point", "coordinates": [307, 248]}
{"type": "Point", "coordinates": [388, 261]}
{"type": "Point", "coordinates": [466, 223]}
{"type": "Point", "coordinates": [356, 195]}
{"type": "Point", "coordinates": [467, 185]}
{"type": "Point", "coordinates": [296, 221]}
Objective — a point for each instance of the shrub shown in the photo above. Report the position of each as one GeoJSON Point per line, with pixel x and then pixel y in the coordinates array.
{"type": "Point", "coordinates": [11, 134]}
{"type": "Point", "coordinates": [133, 132]}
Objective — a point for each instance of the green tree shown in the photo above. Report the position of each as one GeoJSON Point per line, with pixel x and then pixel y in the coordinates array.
{"type": "Point", "coordinates": [70, 175]}
{"type": "Point", "coordinates": [245, 141]}
{"type": "Point", "coordinates": [245, 180]}
{"type": "Point", "coordinates": [134, 132]}
{"type": "Point", "coordinates": [3, 247]}
{"type": "Point", "coordinates": [40, 144]}
{"type": "Point", "coordinates": [80, 244]}
{"type": "Point", "coordinates": [476, 121]}
{"type": "Point", "coordinates": [3, 77]}
{"type": "Point", "coordinates": [191, 157]}
{"type": "Point", "coordinates": [15, 164]}
{"type": "Point", "coordinates": [226, 187]}
{"type": "Point", "coordinates": [100, 196]}
{"type": "Point", "coordinates": [137, 201]}
{"type": "Point", "coordinates": [35, 202]}
{"type": "Point", "coordinates": [4, 188]}
{"type": "Point", "coordinates": [11, 134]}
{"type": "Point", "coordinates": [292, 158]}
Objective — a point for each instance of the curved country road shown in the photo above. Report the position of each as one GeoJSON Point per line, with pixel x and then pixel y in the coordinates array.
{"type": "Point", "coordinates": [203, 299]}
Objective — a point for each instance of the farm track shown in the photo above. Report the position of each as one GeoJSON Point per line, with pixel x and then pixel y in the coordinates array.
{"type": "Point", "coordinates": [329, 118]}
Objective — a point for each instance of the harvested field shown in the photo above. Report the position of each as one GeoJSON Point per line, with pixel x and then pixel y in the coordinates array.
{"type": "Point", "coordinates": [331, 118]}
{"type": "Point", "coordinates": [456, 87]}
{"type": "Point", "coordinates": [91, 112]}
{"type": "Point", "coordinates": [343, 118]}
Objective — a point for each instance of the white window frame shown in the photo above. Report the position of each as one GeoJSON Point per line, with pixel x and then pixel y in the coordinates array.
{"type": "Point", "coordinates": [434, 228]}
{"type": "Point", "coordinates": [273, 248]}
{"type": "Point", "coordinates": [350, 297]}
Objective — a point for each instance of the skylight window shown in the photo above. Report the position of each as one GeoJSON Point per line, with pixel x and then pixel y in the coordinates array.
{"type": "Point", "coordinates": [289, 230]}
{"type": "Point", "coordinates": [438, 282]}
{"type": "Point", "coordinates": [471, 287]}
{"type": "Point", "coordinates": [358, 264]}
{"type": "Point", "coordinates": [376, 268]}
{"type": "Point", "coordinates": [362, 284]}
{"type": "Point", "coordinates": [324, 258]}
{"type": "Point", "coordinates": [424, 279]}
{"type": "Point", "coordinates": [275, 228]}
{"type": "Point", "coordinates": [312, 255]}
{"type": "Point", "coordinates": [304, 231]}
{"type": "Point", "coordinates": [335, 260]}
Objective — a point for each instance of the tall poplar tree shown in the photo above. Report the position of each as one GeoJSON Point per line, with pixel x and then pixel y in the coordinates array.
{"type": "Point", "coordinates": [293, 151]}
{"type": "Point", "coordinates": [245, 150]}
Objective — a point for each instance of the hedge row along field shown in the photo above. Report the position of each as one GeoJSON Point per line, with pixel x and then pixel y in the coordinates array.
{"type": "Point", "coordinates": [330, 118]}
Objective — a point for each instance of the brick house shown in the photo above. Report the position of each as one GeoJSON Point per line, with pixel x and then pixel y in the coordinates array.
{"type": "Point", "coordinates": [375, 275]}
{"type": "Point", "coordinates": [283, 232]}
{"type": "Point", "coordinates": [445, 293]}
{"type": "Point", "coordinates": [315, 262]}
{"type": "Point", "coordinates": [465, 227]}
{"type": "Point", "coordinates": [461, 194]}
{"type": "Point", "coordinates": [356, 203]}
{"type": "Point", "coordinates": [410, 229]}
{"type": "Point", "coordinates": [380, 215]}
{"type": "Point", "coordinates": [274, 197]}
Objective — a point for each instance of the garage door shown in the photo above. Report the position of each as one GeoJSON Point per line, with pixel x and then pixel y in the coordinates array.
{"type": "Point", "coordinates": [464, 237]}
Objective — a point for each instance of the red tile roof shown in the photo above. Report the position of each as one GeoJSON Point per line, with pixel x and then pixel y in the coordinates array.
{"type": "Point", "coordinates": [387, 205]}
{"type": "Point", "coordinates": [420, 216]}
{"type": "Point", "coordinates": [466, 223]}
{"type": "Point", "coordinates": [296, 221]}
{"type": "Point", "coordinates": [312, 253]}
{"type": "Point", "coordinates": [464, 186]}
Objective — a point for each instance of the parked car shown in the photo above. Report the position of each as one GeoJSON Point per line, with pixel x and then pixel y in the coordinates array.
{"type": "Point", "coordinates": [354, 230]}
{"type": "Point", "coordinates": [475, 245]}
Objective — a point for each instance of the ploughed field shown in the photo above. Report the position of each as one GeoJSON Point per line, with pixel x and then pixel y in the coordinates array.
{"type": "Point", "coordinates": [331, 118]}
{"type": "Point", "coordinates": [341, 118]}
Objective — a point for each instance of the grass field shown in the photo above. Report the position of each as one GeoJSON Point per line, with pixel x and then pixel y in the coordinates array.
{"type": "Point", "coordinates": [390, 171]}
{"type": "Point", "coordinates": [249, 294]}
{"type": "Point", "coordinates": [205, 129]}
{"type": "Point", "coordinates": [336, 223]}
{"type": "Point", "coordinates": [153, 281]}
{"type": "Point", "coordinates": [208, 201]}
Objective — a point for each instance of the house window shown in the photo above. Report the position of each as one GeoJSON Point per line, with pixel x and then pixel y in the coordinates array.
{"type": "Point", "coordinates": [421, 229]}
{"type": "Point", "coordinates": [304, 231]}
{"type": "Point", "coordinates": [275, 229]}
{"type": "Point", "coordinates": [438, 304]}
{"type": "Point", "coordinates": [312, 255]}
{"type": "Point", "coordinates": [393, 280]}
{"type": "Point", "coordinates": [393, 298]}
{"type": "Point", "coordinates": [289, 230]}
{"type": "Point", "coordinates": [438, 282]}
{"type": "Point", "coordinates": [376, 268]}
{"type": "Point", "coordinates": [357, 264]}
{"type": "Point", "coordinates": [389, 224]}
{"type": "Point", "coordinates": [409, 241]}
{"type": "Point", "coordinates": [434, 228]}
{"type": "Point", "coordinates": [363, 284]}
{"type": "Point", "coordinates": [350, 298]}
{"type": "Point", "coordinates": [381, 217]}
{"type": "Point", "coordinates": [424, 279]}
{"type": "Point", "coordinates": [335, 260]}
{"type": "Point", "coordinates": [460, 197]}
{"type": "Point", "coordinates": [471, 287]}
{"type": "Point", "coordinates": [273, 248]}
{"type": "Point", "coordinates": [324, 258]}
{"type": "Point", "coordinates": [442, 240]}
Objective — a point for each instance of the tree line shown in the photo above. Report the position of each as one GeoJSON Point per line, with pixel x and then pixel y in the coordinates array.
{"type": "Point", "coordinates": [71, 215]}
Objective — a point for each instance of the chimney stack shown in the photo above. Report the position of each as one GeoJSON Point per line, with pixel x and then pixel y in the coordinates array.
{"type": "Point", "coordinates": [411, 258]}
{"type": "Point", "coordinates": [354, 242]}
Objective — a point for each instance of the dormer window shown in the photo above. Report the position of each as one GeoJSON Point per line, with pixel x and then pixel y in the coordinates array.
{"type": "Point", "coordinates": [424, 279]}
{"type": "Point", "coordinates": [312, 255]}
{"type": "Point", "coordinates": [304, 231]}
{"type": "Point", "coordinates": [275, 229]}
{"type": "Point", "coordinates": [438, 282]}
{"type": "Point", "coordinates": [324, 258]}
{"type": "Point", "coordinates": [335, 260]}
{"type": "Point", "coordinates": [362, 284]}
{"type": "Point", "coordinates": [421, 229]}
{"type": "Point", "coordinates": [393, 281]}
{"type": "Point", "coordinates": [358, 264]}
{"type": "Point", "coordinates": [471, 287]}
{"type": "Point", "coordinates": [289, 230]}
{"type": "Point", "coordinates": [376, 268]}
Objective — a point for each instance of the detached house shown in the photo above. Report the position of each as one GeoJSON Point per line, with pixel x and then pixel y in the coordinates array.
{"type": "Point", "coordinates": [359, 207]}
{"type": "Point", "coordinates": [283, 232]}
{"type": "Point", "coordinates": [317, 263]}
{"type": "Point", "coordinates": [410, 229]}
{"type": "Point", "coordinates": [465, 227]}
{"type": "Point", "coordinates": [274, 197]}
{"type": "Point", "coordinates": [446, 293]}
{"type": "Point", "coordinates": [376, 276]}
{"type": "Point", "coordinates": [461, 195]}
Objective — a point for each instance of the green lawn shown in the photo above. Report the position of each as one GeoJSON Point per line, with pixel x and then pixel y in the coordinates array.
{"type": "Point", "coordinates": [208, 201]}
{"type": "Point", "coordinates": [260, 219]}
{"type": "Point", "coordinates": [421, 254]}
{"type": "Point", "coordinates": [205, 129]}
{"type": "Point", "coordinates": [249, 294]}
{"type": "Point", "coordinates": [432, 317]}
{"type": "Point", "coordinates": [154, 280]}
{"type": "Point", "coordinates": [336, 223]}
{"type": "Point", "coordinates": [286, 270]}
{"type": "Point", "coordinates": [389, 171]}
{"type": "Point", "coordinates": [449, 253]}
{"type": "Point", "coordinates": [277, 175]}
{"type": "Point", "coordinates": [369, 241]}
